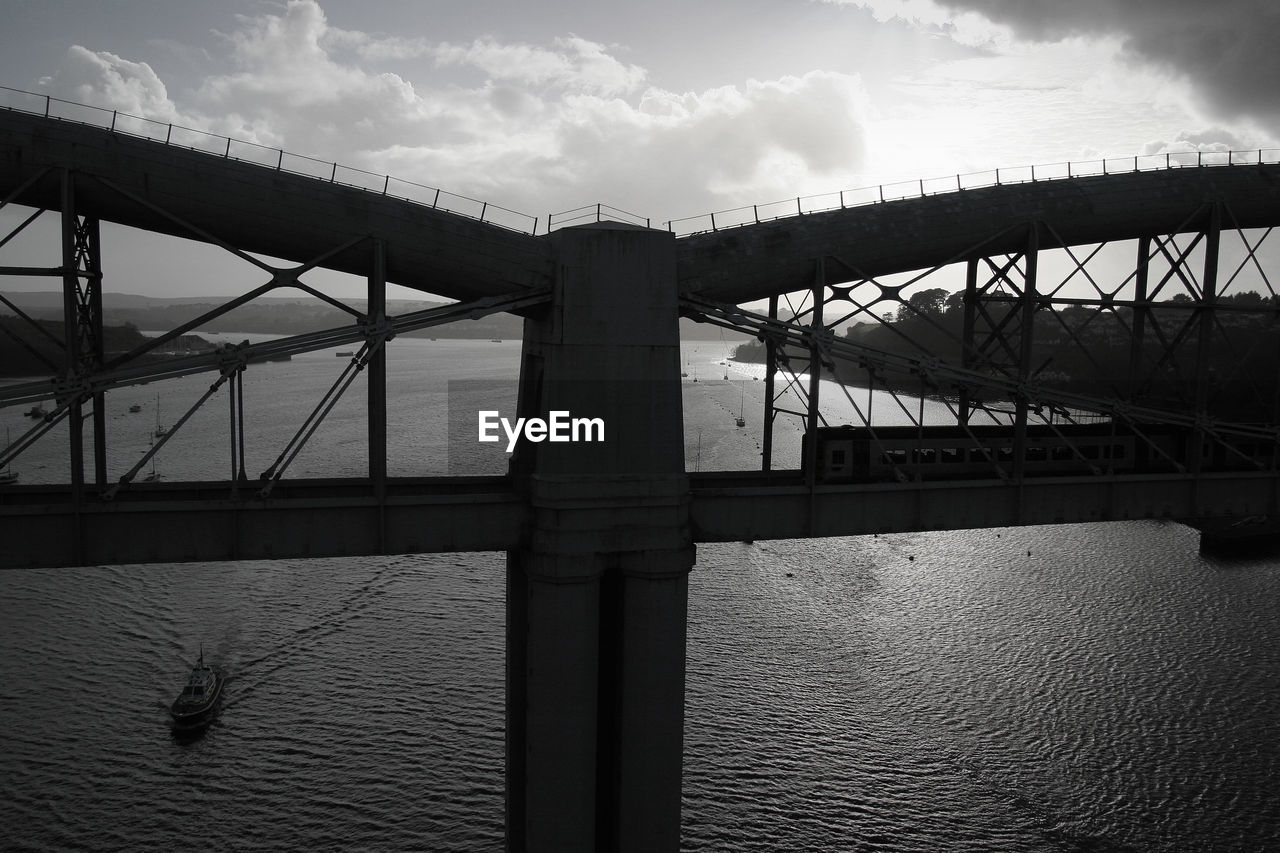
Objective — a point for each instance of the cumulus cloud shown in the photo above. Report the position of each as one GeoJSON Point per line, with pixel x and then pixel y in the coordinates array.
{"type": "Point", "coordinates": [1211, 140]}
{"type": "Point", "coordinates": [106, 80]}
{"type": "Point", "coordinates": [538, 128]}
{"type": "Point", "coordinates": [574, 63]}
{"type": "Point", "coordinates": [730, 145]}
{"type": "Point", "coordinates": [376, 48]}
{"type": "Point", "coordinates": [1226, 49]}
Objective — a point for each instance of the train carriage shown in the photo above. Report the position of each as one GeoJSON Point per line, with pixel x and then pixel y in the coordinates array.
{"type": "Point", "coordinates": [904, 453]}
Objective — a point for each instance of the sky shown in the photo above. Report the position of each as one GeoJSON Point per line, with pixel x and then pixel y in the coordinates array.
{"type": "Point", "coordinates": [663, 109]}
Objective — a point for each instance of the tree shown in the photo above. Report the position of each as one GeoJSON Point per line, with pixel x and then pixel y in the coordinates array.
{"type": "Point", "coordinates": [930, 302]}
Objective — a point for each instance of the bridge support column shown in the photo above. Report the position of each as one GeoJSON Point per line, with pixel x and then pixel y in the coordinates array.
{"type": "Point", "coordinates": [596, 599]}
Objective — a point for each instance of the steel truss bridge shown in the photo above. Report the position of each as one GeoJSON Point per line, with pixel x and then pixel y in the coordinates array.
{"type": "Point", "coordinates": [1133, 303]}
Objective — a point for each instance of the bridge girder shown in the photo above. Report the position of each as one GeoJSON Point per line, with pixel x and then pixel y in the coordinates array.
{"type": "Point", "coordinates": [244, 207]}
{"type": "Point", "coordinates": [756, 261]}
{"type": "Point", "coordinates": [171, 190]}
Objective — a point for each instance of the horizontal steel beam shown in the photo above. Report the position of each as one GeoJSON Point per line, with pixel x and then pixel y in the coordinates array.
{"type": "Point", "coordinates": [189, 522]}
{"type": "Point", "coordinates": [739, 507]}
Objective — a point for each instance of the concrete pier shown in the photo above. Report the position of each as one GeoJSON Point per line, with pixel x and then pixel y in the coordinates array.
{"type": "Point", "coordinates": [597, 595]}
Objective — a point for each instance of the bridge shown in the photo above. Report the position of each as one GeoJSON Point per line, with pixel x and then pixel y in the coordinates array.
{"type": "Point", "coordinates": [1110, 352]}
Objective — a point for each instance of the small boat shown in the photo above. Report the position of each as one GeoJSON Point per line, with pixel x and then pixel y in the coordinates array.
{"type": "Point", "coordinates": [344, 353]}
{"type": "Point", "coordinates": [36, 411]}
{"type": "Point", "coordinates": [495, 340]}
{"type": "Point", "coordinates": [135, 408]}
{"type": "Point", "coordinates": [198, 701]}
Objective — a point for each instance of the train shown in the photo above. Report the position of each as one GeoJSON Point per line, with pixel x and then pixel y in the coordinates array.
{"type": "Point", "coordinates": [849, 454]}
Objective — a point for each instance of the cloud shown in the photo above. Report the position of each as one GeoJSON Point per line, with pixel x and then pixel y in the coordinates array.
{"type": "Point", "coordinates": [575, 63]}
{"type": "Point", "coordinates": [106, 80]}
{"type": "Point", "coordinates": [1226, 49]}
{"type": "Point", "coordinates": [968, 29]}
{"type": "Point", "coordinates": [725, 146]}
{"type": "Point", "coordinates": [537, 128]}
{"type": "Point", "coordinates": [1216, 140]}
{"type": "Point", "coordinates": [376, 48]}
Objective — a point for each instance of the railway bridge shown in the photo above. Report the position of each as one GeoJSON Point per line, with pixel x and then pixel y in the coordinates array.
{"type": "Point", "coordinates": [1102, 337]}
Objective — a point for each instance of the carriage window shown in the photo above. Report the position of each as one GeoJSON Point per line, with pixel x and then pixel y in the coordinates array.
{"type": "Point", "coordinates": [838, 458]}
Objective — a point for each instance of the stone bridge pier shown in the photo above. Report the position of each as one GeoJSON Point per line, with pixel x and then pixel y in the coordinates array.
{"type": "Point", "coordinates": [597, 594]}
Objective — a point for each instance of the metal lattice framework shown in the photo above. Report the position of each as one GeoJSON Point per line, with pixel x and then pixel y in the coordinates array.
{"type": "Point", "coordinates": [1174, 329]}
{"type": "Point", "coordinates": [1027, 324]}
{"type": "Point", "coordinates": [85, 373]}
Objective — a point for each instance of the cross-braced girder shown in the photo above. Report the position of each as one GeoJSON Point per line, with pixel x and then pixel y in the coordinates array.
{"type": "Point", "coordinates": [82, 372]}
{"type": "Point", "coordinates": [1170, 330]}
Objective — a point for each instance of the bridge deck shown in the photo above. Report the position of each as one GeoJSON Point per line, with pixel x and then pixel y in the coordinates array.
{"type": "Point", "coordinates": [753, 262]}
{"type": "Point", "coordinates": [171, 190]}
{"type": "Point", "coordinates": [42, 527]}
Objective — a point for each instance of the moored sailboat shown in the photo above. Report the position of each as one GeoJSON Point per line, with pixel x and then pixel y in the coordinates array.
{"type": "Point", "coordinates": [161, 430]}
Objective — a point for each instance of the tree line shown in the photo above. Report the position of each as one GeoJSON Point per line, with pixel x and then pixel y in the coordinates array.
{"type": "Point", "coordinates": [1089, 349]}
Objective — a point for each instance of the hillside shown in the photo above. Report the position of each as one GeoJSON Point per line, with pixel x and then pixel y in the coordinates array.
{"type": "Point", "coordinates": [25, 351]}
{"type": "Point", "coordinates": [286, 316]}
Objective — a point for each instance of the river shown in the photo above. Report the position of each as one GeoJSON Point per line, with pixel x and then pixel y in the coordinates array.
{"type": "Point", "coordinates": [1069, 688]}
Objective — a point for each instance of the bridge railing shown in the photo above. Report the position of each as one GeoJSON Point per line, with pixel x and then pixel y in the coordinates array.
{"type": "Point", "coordinates": [435, 198]}
{"type": "Point", "coordinates": [276, 159]}
{"type": "Point", "coordinates": [923, 187]}
{"type": "Point", "coordinates": [593, 213]}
